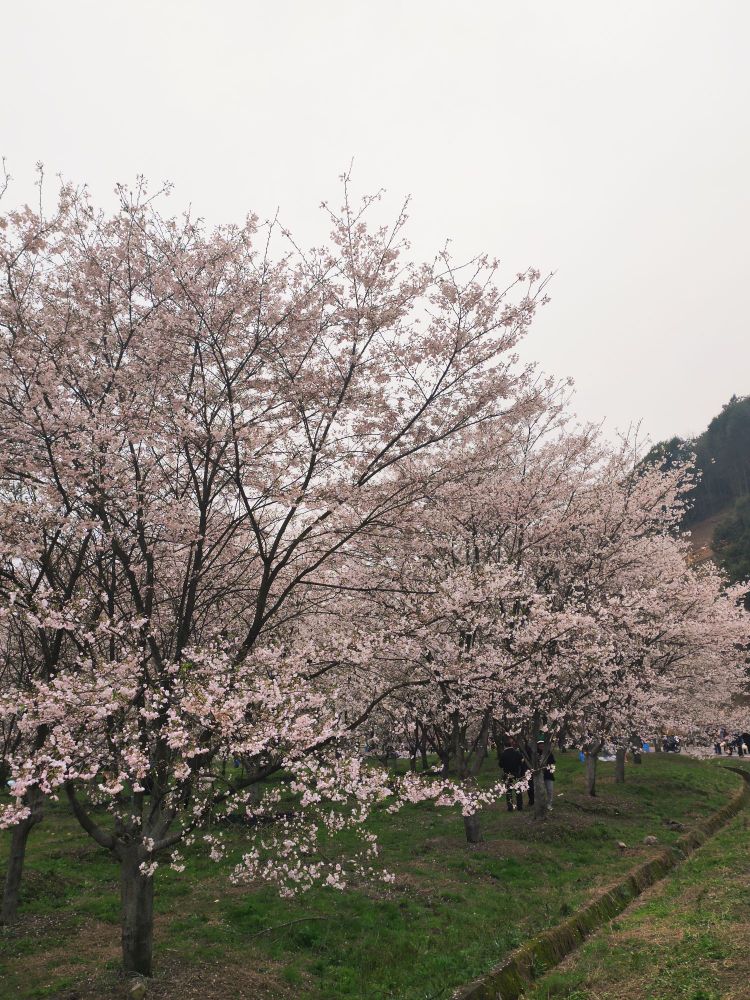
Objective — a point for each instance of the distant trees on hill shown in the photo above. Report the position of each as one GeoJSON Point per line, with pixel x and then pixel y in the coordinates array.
{"type": "Point", "coordinates": [723, 456]}
{"type": "Point", "coordinates": [722, 460]}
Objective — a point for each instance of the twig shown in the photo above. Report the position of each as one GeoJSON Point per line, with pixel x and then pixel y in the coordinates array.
{"type": "Point", "coordinates": [278, 927]}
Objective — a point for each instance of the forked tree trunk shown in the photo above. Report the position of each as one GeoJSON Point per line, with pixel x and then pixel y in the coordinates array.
{"type": "Point", "coordinates": [17, 856]}
{"type": "Point", "coordinates": [620, 766]}
{"type": "Point", "coordinates": [473, 831]}
{"type": "Point", "coordinates": [137, 903]}
{"type": "Point", "coordinates": [591, 759]}
{"type": "Point", "coordinates": [540, 795]}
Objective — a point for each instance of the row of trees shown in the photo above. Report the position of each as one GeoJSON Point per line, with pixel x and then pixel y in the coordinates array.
{"type": "Point", "coordinates": [254, 505]}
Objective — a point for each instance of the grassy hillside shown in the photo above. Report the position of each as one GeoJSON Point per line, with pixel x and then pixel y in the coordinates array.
{"type": "Point", "coordinates": [702, 535]}
{"type": "Point", "coordinates": [686, 937]}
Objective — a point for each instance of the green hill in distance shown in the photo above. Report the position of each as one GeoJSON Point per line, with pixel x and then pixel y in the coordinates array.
{"type": "Point", "coordinates": [719, 513]}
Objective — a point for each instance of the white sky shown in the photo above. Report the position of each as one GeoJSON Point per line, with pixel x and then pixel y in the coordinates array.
{"type": "Point", "coordinates": [606, 140]}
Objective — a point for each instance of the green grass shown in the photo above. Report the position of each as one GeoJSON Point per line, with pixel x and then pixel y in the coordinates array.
{"type": "Point", "coordinates": [452, 914]}
{"type": "Point", "coordinates": [685, 940]}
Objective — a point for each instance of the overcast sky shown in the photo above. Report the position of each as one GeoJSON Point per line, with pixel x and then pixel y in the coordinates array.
{"type": "Point", "coordinates": [607, 141]}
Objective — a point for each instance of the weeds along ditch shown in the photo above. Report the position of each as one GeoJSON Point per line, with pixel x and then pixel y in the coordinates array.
{"type": "Point", "coordinates": [685, 937]}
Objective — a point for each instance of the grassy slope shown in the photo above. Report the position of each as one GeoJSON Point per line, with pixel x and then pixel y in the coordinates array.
{"type": "Point", "coordinates": [702, 535]}
{"type": "Point", "coordinates": [453, 913]}
{"type": "Point", "coordinates": [686, 938]}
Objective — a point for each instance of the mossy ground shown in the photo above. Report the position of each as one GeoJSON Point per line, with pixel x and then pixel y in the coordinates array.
{"type": "Point", "coordinates": [453, 913]}
{"type": "Point", "coordinates": [684, 939]}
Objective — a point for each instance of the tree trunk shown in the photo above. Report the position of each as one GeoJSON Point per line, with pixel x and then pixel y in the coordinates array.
{"type": "Point", "coordinates": [137, 899]}
{"type": "Point", "coordinates": [591, 759]}
{"type": "Point", "coordinates": [620, 766]}
{"type": "Point", "coordinates": [17, 856]}
{"type": "Point", "coordinates": [540, 795]}
{"type": "Point", "coordinates": [469, 774]}
{"type": "Point", "coordinates": [471, 826]}
{"type": "Point", "coordinates": [423, 754]}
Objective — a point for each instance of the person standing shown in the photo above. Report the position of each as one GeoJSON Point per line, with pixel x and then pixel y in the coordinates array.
{"type": "Point", "coordinates": [549, 772]}
{"type": "Point", "coordinates": [513, 765]}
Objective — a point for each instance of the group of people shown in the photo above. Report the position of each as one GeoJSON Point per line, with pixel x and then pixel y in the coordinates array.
{"type": "Point", "coordinates": [514, 765]}
{"type": "Point", "coordinates": [727, 743]}
{"type": "Point", "coordinates": [671, 744]}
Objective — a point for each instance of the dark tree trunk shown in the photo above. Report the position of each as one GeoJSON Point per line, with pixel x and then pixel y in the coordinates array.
{"type": "Point", "coordinates": [468, 774]}
{"type": "Point", "coordinates": [620, 766]}
{"type": "Point", "coordinates": [540, 795]}
{"type": "Point", "coordinates": [413, 762]}
{"type": "Point", "coordinates": [137, 899]}
{"type": "Point", "coordinates": [423, 754]}
{"type": "Point", "coordinates": [17, 856]}
{"type": "Point", "coordinates": [473, 832]}
{"type": "Point", "coordinates": [591, 759]}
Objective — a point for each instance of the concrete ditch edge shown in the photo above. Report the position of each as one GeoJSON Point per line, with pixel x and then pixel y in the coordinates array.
{"type": "Point", "coordinates": [543, 952]}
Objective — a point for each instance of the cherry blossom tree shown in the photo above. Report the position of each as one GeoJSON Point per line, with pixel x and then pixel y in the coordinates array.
{"type": "Point", "coordinates": [646, 618]}
{"type": "Point", "coordinates": [560, 601]}
{"type": "Point", "coordinates": [211, 433]}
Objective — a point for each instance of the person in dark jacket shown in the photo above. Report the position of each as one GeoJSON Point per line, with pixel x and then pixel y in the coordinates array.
{"type": "Point", "coordinates": [513, 765]}
{"type": "Point", "coordinates": [549, 774]}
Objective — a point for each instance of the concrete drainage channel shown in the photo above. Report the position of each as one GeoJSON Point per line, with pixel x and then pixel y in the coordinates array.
{"type": "Point", "coordinates": [542, 953]}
